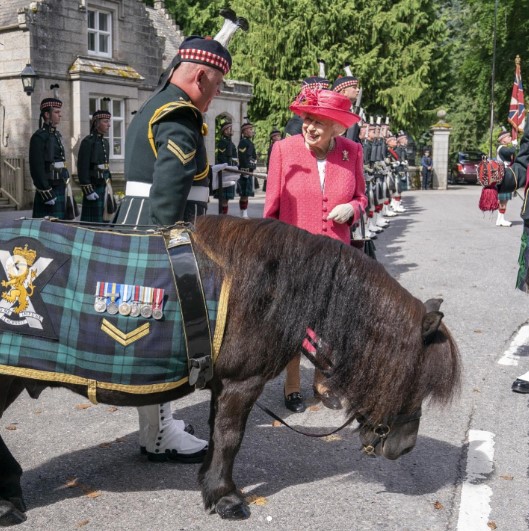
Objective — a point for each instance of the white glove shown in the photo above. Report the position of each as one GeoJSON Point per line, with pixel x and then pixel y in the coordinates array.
{"type": "Point", "coordinates": [341, 213]}
{"type": "Point", "coordinates": [51, 202]}
{"type": "Point", "coordinates": [219, 167]}
{"type": "Point", "coordinates": [92, 197]}
{"type": "Point", "coordinates": [514, 142]}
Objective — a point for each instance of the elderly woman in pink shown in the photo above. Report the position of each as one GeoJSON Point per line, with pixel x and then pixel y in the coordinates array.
{"type": "Point", "coordinates": [316, 182]}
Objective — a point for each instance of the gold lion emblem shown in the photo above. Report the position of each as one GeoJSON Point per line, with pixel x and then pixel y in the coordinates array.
{"type": "Point", "coordinates": [20, 277]}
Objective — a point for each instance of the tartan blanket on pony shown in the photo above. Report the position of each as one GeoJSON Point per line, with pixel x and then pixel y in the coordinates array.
{"type": "Point", "coordinates": [89, 306]}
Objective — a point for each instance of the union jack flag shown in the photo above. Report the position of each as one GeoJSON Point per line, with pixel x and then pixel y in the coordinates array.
{"type": "Point", "coordinates": [517, 106]}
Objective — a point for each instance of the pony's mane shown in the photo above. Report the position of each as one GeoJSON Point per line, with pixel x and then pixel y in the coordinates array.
{"type": "Point", "coordinates": [285, 279]}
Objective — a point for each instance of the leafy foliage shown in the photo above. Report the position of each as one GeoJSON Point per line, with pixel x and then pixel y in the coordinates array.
{"type": "Point", "coordinates": [413, 57]}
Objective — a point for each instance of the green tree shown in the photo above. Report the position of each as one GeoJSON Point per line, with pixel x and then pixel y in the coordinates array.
{"type": "Point", "coordinates": [397, 48]}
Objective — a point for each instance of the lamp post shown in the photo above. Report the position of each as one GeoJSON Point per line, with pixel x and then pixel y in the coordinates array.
{"type": "Point", "coordinates": [28, 77]}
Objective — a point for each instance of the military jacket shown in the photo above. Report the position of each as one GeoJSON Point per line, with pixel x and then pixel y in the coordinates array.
{"type": "Point", "coordinates": [226, 152]}
{"type": "Point", "coordinates": [165, 147]}
{"type": "Point", "coordinates": [506, 154]}
{"type": "Point", "coordinates": [247, 154]}
{"type": "Point", "coordinates": [93, 153]}
{"type": "Point", "coordinates": [45, 148]}
{"type": "Point", "coordinates": [402, 153]}
{"type": "Point", "coordinates": [293, 126]}
{"type": "Point", "coordinates": [368, 146]}
{"type": "Point", "coordinates": [516, 175]}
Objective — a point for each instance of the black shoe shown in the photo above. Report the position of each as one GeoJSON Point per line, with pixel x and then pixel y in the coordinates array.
{"type": "Point", "coordinates": [294, 402]}
{"type": "Point", "coordinates": [328, 399]}
{"type": "Point", "coordinates": [520, 386]}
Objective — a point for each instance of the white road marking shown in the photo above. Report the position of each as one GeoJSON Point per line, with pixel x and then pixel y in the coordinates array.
{"type": "Point", "coordinates": [475, 495]}
{"type": "Point", "coordinates": [521, 339]}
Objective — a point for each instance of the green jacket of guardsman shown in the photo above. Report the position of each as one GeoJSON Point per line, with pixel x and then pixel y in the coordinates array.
{"type": "Point", "coordinates": [92, 162]}
{"type": "Point", "coordinates": [165, 157]}
{"type": "Point", "coordinates": [516, 175]}
{"type": "Point", "coordinates": [45, 148]}
{"type": "Point", "coordinates": [247, 154]}
{"type": "Point", "coordinates": [226, 152]}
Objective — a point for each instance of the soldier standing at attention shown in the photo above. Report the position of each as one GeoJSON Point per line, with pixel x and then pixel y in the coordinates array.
{"type": "Point", "coordinates": [226, 154]}
{"type": "Point", "coordinates": [348, 85]}
{"type": "Point", "coordinates": [275, 135]}
{"type": "Point", "coordinates": [92, 168]}
{"type": "Point", "coordinates": [505, 153]}
{"type": "Point", "coordinates": [247, 162]}
{"type": "Point", "coordinates": [47, 163]}
{"type": "Point", "coordinates": [166, 170]}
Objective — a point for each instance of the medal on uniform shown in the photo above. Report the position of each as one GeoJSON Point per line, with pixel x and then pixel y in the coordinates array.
{"type": "Point", "coordinates": [135, 305]}
{"type": "Point", "coordinates": [112, 307]}
{"type": "Point", "coordinates": [100, 304]}
{"type": "Point", "coordinates": [124, 307]}
{"type": "Point", "coordinates": [157, 305]}
{"type": "Point", "coordinates": [146, 307]}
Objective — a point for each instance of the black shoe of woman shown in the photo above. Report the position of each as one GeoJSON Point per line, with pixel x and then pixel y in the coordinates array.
{"type": "Point", "coordinates": [294, 402]}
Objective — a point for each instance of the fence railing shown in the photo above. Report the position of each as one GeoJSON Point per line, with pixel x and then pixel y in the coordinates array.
{"type": "Point", "coordinates": [12, 180]}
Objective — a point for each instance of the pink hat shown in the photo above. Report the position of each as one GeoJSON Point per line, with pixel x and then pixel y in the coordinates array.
{"type": "Point", "coordinates": [325, 104]}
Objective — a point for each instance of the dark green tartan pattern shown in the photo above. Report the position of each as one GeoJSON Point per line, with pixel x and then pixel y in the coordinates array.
{"type": "Point", "coordinates": [83, 349]}
{"type": "Point", "coordinates": [523, 262]}
{"type": "Point", "coordinates": [58, 210]}
{"type": "Point", "coordinates": [92, 211]}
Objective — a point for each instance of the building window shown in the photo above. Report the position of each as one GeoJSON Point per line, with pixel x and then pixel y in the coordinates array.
{"type": "Point", "coordinates": [116, 134]}
{"type": "Point", "coordinates": [99, 33]}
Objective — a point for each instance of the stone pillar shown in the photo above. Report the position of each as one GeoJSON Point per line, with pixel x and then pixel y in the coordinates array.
{"type": "Point", "coordinates": [159, 4]}
{"type": "Point", "coordinates": [440, 147]}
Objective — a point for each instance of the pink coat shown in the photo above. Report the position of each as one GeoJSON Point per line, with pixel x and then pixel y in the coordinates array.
{"type": "Point", "coordinates": [293, 190]}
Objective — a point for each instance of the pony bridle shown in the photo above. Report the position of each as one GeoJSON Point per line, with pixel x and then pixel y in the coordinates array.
{"type": "Point", "coordinates": [381, 431]}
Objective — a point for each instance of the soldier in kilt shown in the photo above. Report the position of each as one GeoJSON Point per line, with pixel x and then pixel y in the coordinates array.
{"type": "Point", "coordinates": [247, 162]}
{"type": "Point", "coordinates": [505, 153]}
{"type": "Point", "coordinates": [226, 154]}
{"type": "Point", "coordinates": [92, 168]}
{"type": "Point", "coordinates": [47, 163]}
{"type": "Point", "coordinates": [167, 181]}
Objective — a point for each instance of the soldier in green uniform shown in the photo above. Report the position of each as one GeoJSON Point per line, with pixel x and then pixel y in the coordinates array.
{"type": "Point", "coordinates": [226, 154]}
{"type": "Point", "coordinates": [166, 172]}
{"type": "Point", "coordinates": [93, 170]}
{"type": "Point", "coordinates": [47, 163]}
{"type": "Point", "coordinates": [247, 162]}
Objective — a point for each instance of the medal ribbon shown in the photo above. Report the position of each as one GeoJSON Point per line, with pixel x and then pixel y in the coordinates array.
{"type": "Point", "coordinates": [158, 298]}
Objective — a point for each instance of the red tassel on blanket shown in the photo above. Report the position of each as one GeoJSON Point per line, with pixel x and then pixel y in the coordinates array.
{"type": "Point", "coordinates": [488, 200]}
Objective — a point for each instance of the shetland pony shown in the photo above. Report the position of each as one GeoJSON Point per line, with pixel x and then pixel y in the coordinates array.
{"type": "Point", "coordinates": [288, 281]}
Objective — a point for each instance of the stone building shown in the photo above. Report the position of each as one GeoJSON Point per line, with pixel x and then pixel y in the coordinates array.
{"type": "Point", "coordinates": [91, 54]}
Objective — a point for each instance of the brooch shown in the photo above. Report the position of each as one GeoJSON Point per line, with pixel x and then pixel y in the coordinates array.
{"type": "Point", "coordinates": [345, 154]}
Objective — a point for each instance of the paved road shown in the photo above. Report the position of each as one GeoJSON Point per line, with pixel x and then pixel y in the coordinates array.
{"type": "Point", "coordinates": [467, 472]}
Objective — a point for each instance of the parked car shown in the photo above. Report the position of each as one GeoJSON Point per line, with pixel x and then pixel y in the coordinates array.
{"type": "Point", "coordinates": [463, 166]}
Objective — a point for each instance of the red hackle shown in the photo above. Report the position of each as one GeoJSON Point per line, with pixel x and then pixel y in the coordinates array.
{"type": "Point", "coordinates": [488, 201]}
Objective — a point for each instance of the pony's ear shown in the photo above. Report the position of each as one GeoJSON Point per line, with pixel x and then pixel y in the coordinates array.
{"type": "Point", "coordinates": [430, 325]}
{"type": "Point", "coordinates": [433, 305]}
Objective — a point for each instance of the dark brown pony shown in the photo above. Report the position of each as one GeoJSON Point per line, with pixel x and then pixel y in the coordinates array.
{"type": "Point", "coordinates": [288, 280]}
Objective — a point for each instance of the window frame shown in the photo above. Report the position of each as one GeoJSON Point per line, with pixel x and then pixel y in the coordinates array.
{"type": "Point", "coordinates": [98, 33]}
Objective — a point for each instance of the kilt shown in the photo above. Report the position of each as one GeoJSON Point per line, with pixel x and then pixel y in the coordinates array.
{"type": "Point", "coordinates": [522, 280]}
{"type": "Point", "coordinates": [61, 336]}
{"type": "Point", "coordinates": [245, 186]}
{"type": "Point", "coordinates": [227, 193]}
{"type": "Point", "coordinates": [92, 211]}
{"type": "Point", "coordinates": [505, 196]}
{"type": "Point", "coordinates": [58, 210]}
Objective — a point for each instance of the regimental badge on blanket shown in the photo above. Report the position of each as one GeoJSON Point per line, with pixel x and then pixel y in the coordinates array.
{"type": "Point", "coordinates": [26, 269]}
{"type": "Point", "coordinates": [129, 300]}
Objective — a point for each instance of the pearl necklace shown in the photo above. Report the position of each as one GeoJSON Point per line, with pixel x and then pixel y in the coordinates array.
{"type": "Point", "coordinates": [329, 149]}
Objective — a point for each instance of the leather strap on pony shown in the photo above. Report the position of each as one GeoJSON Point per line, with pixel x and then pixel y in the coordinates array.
{"type": "Point", "coordinates": [490, 174]}
{"type": "Point", "coordinates": [192, 304]}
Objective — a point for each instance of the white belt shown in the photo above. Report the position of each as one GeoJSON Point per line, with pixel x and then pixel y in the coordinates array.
{"type": "Point", "coordinates": [138, 189]}
{"type": "Point", "coordinates": [102, 166]}
{"type": "Point", "coordinates": [199, 193]}
{"type": "Point", "coordinates": [58, 165]}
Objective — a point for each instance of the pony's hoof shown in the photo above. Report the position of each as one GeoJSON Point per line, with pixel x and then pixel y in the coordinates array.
{"type": "Point", "coordinates": [10, 514]}
{"type": "Point", "coordinates": [232, 508]}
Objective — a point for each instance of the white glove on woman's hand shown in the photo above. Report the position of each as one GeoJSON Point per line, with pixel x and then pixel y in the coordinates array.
{"type": "Point", "coordinates": [92, 197]}
{"type": "Point", "coordinates": [341, 213]}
